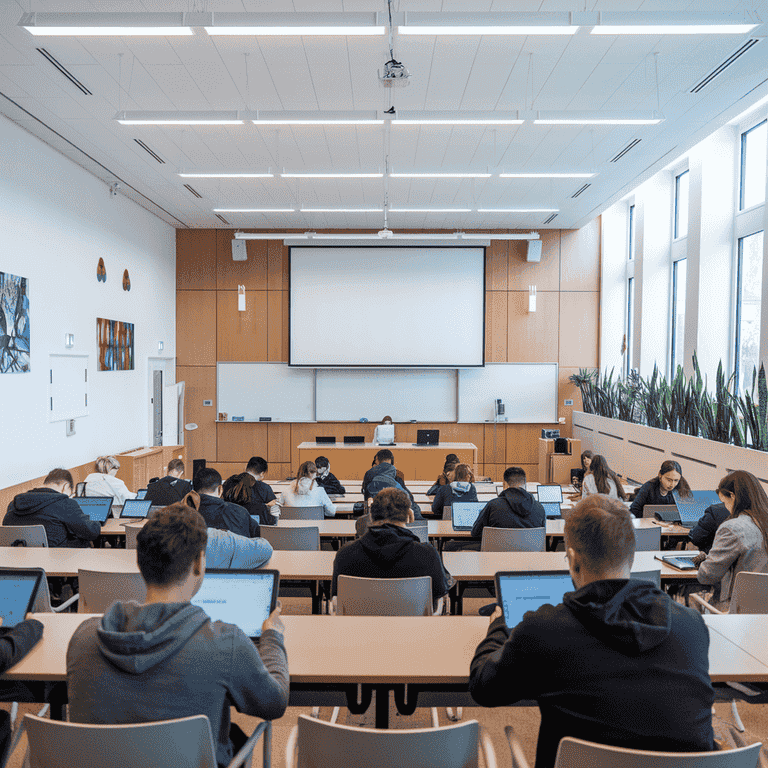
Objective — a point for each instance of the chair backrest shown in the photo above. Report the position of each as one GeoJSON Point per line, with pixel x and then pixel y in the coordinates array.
{"type": "Point", "coordinates": [321, 743]}
{"type": "Point", "coordinates": [303, 538]}
{"type": "Point", "coordinates": [131, 532]}
{"type": "Point", "coordinates": [750, 593]}
{"type": "Point", "coordinates": [447, 513]}
{"type": "Point", "coordinates": [31, 535]}
{"type": "Point", "coordinates": [302, 513]}
{"type": "Point", "coordinates": [574, 752]}
{"type": "Point", "coordinates": [80, 489]}
{"type": "Point", "coordinates": [357, 596]}
{"type": "Point", "coordinates": [513, 540]}
{"type": "Point", "coordinates": [654, 576]}
{"type": "Point", "coordinates": [99, 589]}
{"type": "Point", "coordinates": [183, 743]}
{"type": "Point", "coordinates": [648, 539]}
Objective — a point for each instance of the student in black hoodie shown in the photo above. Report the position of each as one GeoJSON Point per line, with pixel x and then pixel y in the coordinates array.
{"type": "Point", "coordinates": [513, 508]}
{"type": "Point", "coordinates": [703, 533]}
{"type": "Point", "coordinates": [171, 488]}
{"type": "Point", "coordinates": [617, 662]}
{"type": "Point", "coordinates": [263, 500]}
{"type": "Point", "coordinates": [221, 514]}
{"type": "Point", "coordinates": [66, 525]}
{"type": "Point", "coordinates": [388, 550]}
{"type": "Point", "coordinates": [326, 479]}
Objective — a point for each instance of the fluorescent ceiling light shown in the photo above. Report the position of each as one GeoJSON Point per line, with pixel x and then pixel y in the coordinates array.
{"type": "Point", "coordinates": [305, 121]}
{"type": "Point", "coordinates": [227, 175]}
{"type": "Point", "coordinates": [272, 235]}
{"type": "Point", "coordinates": [671, 23]}
{"type": "Point", "coordinates": [286, 24]}
{"type": "Point", "coordinates": [106, 24]}
{"type": "Point", "coordinates": [349, 236]}
{"type": "Point", "coordinates": [583, 117]}
{"type": "Point", "coordinates": [412, 29]}
{"type": "Point", "coordinates": [487, 24]}
{"type": "Point", "coordinates": [332, 175]}
{"type": "Point", "coordinates": [430, 210]}
{"type": "Point", "coordinates": [598, 121]}
{"type": "Point", "coordinates": [342, 210]}
{"type": "Point", "coordinates": [675, 29]}
{"type": "Point", "coordinates": [505, 236]}
{"type": "Point", "coordinates": [179, 118]}
{"type": "Point", "coordinates": [253, 210]}
{"type": "Point", "coordinates": [518, 210]}
{"type": "Point", "coordinates": [440, 175]}
{"type": "Point", "coordinates": [286, 31]}
{"type": "Point", "coordinates": [546, 175]}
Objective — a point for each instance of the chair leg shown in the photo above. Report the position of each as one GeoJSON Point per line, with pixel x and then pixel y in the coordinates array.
{"type": "Point", "coordinates": [454, 718]}
{"type": "Point", "coordinates": [335, 715]}
{"type": "Point", "coordinates": [736, 718]}
{"type": "Point", "coordinates": [316, 713]}
{"type": "Point", "coordinates": [435, 718]}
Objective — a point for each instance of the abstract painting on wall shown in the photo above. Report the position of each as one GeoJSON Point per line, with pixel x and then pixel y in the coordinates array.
{"type": "Point", "coordinates": [115, 345]}
{"type": "Point", "coordinates": [14, 323]}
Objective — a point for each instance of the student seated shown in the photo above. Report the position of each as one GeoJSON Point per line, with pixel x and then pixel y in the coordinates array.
{"type": "Point", "coordinates": [362, 522]}
{"type": "Point", "coordinates": [513, 508]}
{"type": "Point", "coordinates": [327, 480]}
{"type": "Point", "coordinates": [388, 550]}
{"type": "Point", "coordinates": [263, 502]}
{"type": "Point", "coordinates": [702, 535]}
{"type": "Point", "coordinates": [171, 488]}
{"type": "Point", "coordinates": [659, 489]}
{"type": "Point", "coordinates": [305, 492]}
{"type": "Point", "coordinates": [602, 479]}
{"type": "Point", "coordinates": [741, 541]}
{"type": "Point", "coordinates": [442, 479]}
{"type": "Point", "coordinates": [381, 475]}
{"type": "Point", "coordinates": [617, 662]}
{"type": "Point", "coordinates": [66, 525]}
{"type": "Point", "coordinates": [460, 488]}
{"type": "Point", "coordinates": [578, 475]}
{"type": "Point", "coordinates": [103, 482]}
{"type": "Point", "coordinates": [165, 659]}
{"type": "Point", "coordinates": [219, 513]}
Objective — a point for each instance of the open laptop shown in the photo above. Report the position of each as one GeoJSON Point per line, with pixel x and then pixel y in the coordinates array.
{"type": "Point", "coordinates": [549, 493]}
{"type": "Point", "coordinates": [136, 508]}
{"type": "Point", "coordinates": [141, 493]}
{"type": "Point", "coordinates": [465, 513]}
{"type": "Point", "coordinates": [552, 510]}
{"type": "Point", "coordinates": [240, 597]}
{"type": "Point", "coordinates": [420, 528]}
{"type": "Point", "coordinates": [96, 507]}
{"type": "Point", "coordinates": [385, 434]}
{"type": "Point", "coordinates": [692, 508]}
{"type": "Point", "coordinates": [680, 561]}
{"type": "Point", "coordinates": [520, 592]}
{"type": "Point", "coordinates": [18, 589]}
{"type": "Point", "coordinates": [427, 437]}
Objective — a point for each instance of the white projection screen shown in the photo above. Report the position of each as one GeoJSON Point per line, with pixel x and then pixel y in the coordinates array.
{"type": "Point", "coordinates": [387, 307]}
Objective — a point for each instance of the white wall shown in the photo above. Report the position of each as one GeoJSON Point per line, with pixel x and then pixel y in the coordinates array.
{"type": "Point", "coordinates": [57, 221]}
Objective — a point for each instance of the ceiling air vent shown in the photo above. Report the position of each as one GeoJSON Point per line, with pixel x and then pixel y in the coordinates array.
{"type": "Point", "coordinates": [632, 144]}
{"type": "Point", "coordinates": [723, 65]}
{"type": "Point", "coordinates": [64, 71]}
{"type": "Point", "coordinates": [221, 218]}
{"type": "Point", "coordinates": [550, 219]}
{"type": "Point", "coordinates": [148, 150]}
{"type": "Point", "coordinates": [193, 191]}
{"type": "Point", "coordinates": [580, 190]}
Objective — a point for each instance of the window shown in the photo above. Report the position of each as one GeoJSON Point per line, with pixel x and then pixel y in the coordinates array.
{"type": "Point", "coordinates": [749, 281]}
{"type": "Point", "coordinates": [631, 232]}
{"type": "Point", "coordinates": [630, 324]}
{"type": "Point", "coordinates": [679, 275]}
{"type": "Point", "coordinates": [681, 205]}
{"type": "Point", "coordinates": [754, 143]}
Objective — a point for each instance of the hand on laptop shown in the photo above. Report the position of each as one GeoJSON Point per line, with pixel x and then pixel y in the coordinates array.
{"type": "Point", "coordinates": [273, 621]}
{"type": "Point", "coordinates": [699, 559]}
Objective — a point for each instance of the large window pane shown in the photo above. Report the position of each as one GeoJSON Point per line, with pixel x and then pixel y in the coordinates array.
{"type": "Point", "coordinates": [753, 163]}
{"type": "Point", "coordinates": [681, 205]}
{"type": "Point", "coordinates": [630, 325]}
{"type": "Point", "coordinates": [748, 295]}
{"type": "Point", "coordinates": [679, 276]}
{"type": "Point", "coordinates": [631, 253]}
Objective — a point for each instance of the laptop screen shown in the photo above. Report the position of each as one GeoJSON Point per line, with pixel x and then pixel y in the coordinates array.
{"type": "Point", "coordinates": [549, 493]}
{"type": "Point", "coordinates": [522, 592]}
{"type": "Point", "coordinates": [95, 507]}
{"type": "Point", "coordinates": [141, 493]}
{"type": "Point", "coordinates": [692, 508]}
{"type": "Point", "coordinates": [385, 434]}
{"type": "Point", "coordinates": [243, 598]}
{"type": "Point", "coordinates": [551, 508]}
{"type": "Point", "coordinates": [420, 529]}
{"type": "Point", "coordinates": [464, 514]}
{"type": "Point", "coordinates": [136, 507]}
{"type": "Point", "coordinates": [17, 595]}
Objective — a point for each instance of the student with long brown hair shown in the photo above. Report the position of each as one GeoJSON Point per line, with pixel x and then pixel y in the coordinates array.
{"type": "Point", "coordinates": [460, 488]}
{"type": "Point", "coordinates": [741, 542]}
{"type": "Point", "coordinates": [305, 492]}
{"type": "Point", "coordinates": [602, 479]}
{"type": "Point", "coordinates": [660, 489]}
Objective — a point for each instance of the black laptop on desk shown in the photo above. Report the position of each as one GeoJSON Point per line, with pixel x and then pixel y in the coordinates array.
{"type": "Point", "coordinates": [353, 439]}
{"type": "Point", "coordinates": [321, 440]}
{"type": "Point", "coordinates": [427, 437]}
{"type": "Point", "coordinates": [95, 507]}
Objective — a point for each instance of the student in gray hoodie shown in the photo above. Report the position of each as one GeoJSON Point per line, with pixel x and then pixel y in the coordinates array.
{"type": "Point", "coordinates": [165, 659]}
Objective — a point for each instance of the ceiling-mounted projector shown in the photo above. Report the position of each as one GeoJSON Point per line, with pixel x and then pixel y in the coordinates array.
{"type": "Point", "coordinates": [395, 75]}
{"type": "Point", "coordinates": [385, 233]}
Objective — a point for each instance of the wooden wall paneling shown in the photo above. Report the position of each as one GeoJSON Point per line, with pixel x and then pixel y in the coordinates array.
{"type": "Point", "coordinates": [278, 472]}
{"type": "Point", "coordinates": [580, 258]}
{"type": "Point", "coordinates": [242, 336]}
{"type": "Point", "coordinates": [302, 433]}
{"type": "Point", "coordinates": [532, 337]}
{"type": "Point", "coordinates": [494, 471]}
{"type": "Point", "coordinates": [278, 443]}
{"type": "Point", "coordinates": [195, 328]}
{"type": "Point", "coordinates": [567, 391]}
{"type": "Point", "coordinates": [277, 265]}
{"type": "Point", "coordinates": [531, 472]}
{"type": "Point", "coordinates": [579, 329]}
{"type": "Point", "coordinates": [496, 266]}
{"type": "Point", "coordinates": [277, 326]}
{"type": "Point", "coordinates": [251, 273]}
{"type": "Point", "coordinates": [238, 442]}
{"type": "Point", "coordinates": [196, 259]}
{"type": "Point", "coordinates": [545, 275]}
{"type": "Point", "coordinates": [226, 469]}
{"type": "Point", "coordinates": [496, 325]}
{"type": "Point", "coordinates": [200, 384]}
{"type": "Point", "coordinates": [523, 444]}
{"type": "Point", "coordinates": [495, 444]}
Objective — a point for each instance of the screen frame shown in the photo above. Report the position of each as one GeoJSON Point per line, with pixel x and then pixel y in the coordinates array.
{"type": "Point", "coordinates": [38, 574]}
{"type": "Point", "coordinates": [501, 574]}
{"type": "Point", "coordinates": [96, 498]}
{"type": "Point", "coordinates": [374, 366]}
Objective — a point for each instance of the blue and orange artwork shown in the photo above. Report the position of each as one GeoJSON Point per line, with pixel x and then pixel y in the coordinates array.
{"type": "Point", "coordinates": [115, 345]}
{"type": "Point", "coordinates": [14, 323]}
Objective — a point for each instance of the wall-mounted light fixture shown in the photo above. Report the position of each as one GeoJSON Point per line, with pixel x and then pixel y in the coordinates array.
{"type": "Point", "coordinates": [160, 346]}
{"type": "Point", "coordinates": [69, 340]}
{"type": "Point", "coordinates": [531, 298]}
{"type": "Point", "coordinates": [241, 298]}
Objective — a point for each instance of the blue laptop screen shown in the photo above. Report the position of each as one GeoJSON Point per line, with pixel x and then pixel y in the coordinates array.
{"type": "Point", "coordinates": [464, 513]}
{"type": "Point", "coordinates": [141, 493]}
{"type": "Point", "coordinates": [16, 593]}
{"type": "Point", "coordinates": [692, 507]}
{"type": "Point", "coordinates": [549, 493]}
{"type": "Point", "coordinates": [551, 508]}
{"type": "Point", "coordinates": [525, 592]}
{"type": "Point", "coordinates": [96, 507]}
{"type": "Point", "coordinates": [136, 507]}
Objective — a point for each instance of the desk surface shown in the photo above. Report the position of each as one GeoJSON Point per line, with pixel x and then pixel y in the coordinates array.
{"type": "Point", "coordinates": [748, 632]}
{"type": "Point", "coordinates": [329, 649]}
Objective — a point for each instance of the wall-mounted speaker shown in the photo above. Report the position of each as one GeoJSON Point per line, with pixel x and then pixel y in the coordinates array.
{"type": "Point", "coordinates": [534, 251]}
{"type": "Point", "coordinates": [239, 252]}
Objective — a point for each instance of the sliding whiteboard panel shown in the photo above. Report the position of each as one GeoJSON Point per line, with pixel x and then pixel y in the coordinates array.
{"type": "Point", "coordinates": [255, 390]}
{"type": "Point", "coordinates": [350, 395]}
{"type": "Point", "coordinates": [67, 387]}
{"type": "Point", "coordinates": [529, 392]}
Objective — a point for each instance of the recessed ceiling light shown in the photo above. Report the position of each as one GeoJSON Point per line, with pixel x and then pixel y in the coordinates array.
{"type": "Point", "coordinates": [430, 210]}
{"type": "Point", "coordinates": [318, 121]}
{"type": "Point", "coordinates": [517, 210]}
{"type": "Point", "coordinates": [598, 121]}
{"type": "Point", "coordinates": [254, 210]}
{"type": "Point", "coordinates": [457, 121]}
{"type": "Point", "coordinates": [673, 29]}
{"type": "Point", "coordinates": [440, 175]}
{"type": "Point", "coordinates": [332, 175]}
{"type": "Point", "coordinates": [414, 29]}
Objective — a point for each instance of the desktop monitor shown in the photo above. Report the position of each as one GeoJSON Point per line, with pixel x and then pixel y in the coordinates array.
{"type": "Point", "coordinates": [95, 507]}
{"type": "Point", "coordinates": [18, 589]}
{"type": "Point", "coordinates": [427, 437]}
{"type": "Point", "coordinates": [520, 592]}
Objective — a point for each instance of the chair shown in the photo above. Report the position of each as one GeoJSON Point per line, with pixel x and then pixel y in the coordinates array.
{"type": "Point", "coordinates": [99, 589]}
{"type": "Point", "coordinates": [314, 743]}
{"type": "Point", "coordinates": [302, 513]}
{"type": "Point", "coordinates": [648, 539]}
{"type": "Point", "coordinates": [575, 753]}
{"type": "Point", "coordinates": [80, 490]}
{"type": "Point", "coordinates": [357, 596]}
{"type": "Point", "coordinates": [23, 535]}
{"type": "Point", "coordinates": [513, 540]}
{"type": "Point", "coordinates": [447, 514]}
{"type": "Point", "coordinates": [183, 743]}
{"type": "Point", "coordinates": [131, 532]}
{"type": "Point", "coordinates": [654, 576]}
{"type": "Point", "coordinates": [303, 538]}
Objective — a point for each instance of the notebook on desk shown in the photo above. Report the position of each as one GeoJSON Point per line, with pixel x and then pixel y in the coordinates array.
{"type": "Point", "coordinates": [18, 589]}
{"type": "Point", "coordinates": [520, 592]}
{"type": "Point", "coordinates": [240, 597]}
{"type": "Point", "coordinates": [138, 508]}
{"type": "Point", "coordinates": [96, 507]}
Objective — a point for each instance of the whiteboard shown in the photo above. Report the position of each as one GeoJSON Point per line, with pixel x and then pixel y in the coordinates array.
{"type": "Point", "coordinates": [529, 392]}
{"type": "Point", "coordinates": [254, 390]}
{"type": "Point", "coordinates": [421, 394]}
{"type": "Point", "coordinates": [67, 387]}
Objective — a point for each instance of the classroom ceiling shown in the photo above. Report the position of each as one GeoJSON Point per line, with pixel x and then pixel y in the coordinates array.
{"type": "Point", "coordinates": [454, 74]}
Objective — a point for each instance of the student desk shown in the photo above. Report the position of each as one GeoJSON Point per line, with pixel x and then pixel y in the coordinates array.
{"type": "Point", "coordinates": [332, 654]}
{"type": "Point", "coordinates": [747, 631]}
{"type": "Point", "coordinates": [416, 462]}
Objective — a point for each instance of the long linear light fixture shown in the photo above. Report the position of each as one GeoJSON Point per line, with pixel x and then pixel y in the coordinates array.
{"type": "Point", "coordinates": [291, 24]}
{"type": "Point", "coordinates": [430, 210]}
{"type": "Point", "coordinates": [354, 175]}
{"type": "Point", "coordinates": [391, 210]}
{"type": "Point", "coordinates": [106, 24]}
{"type": "Point", "coordinates": [546, 175]}
{"type": "Point", "coordinates": [254, 210]}
{"type": "Point", "coordinates": [186, 175]}
{"type": "Point", "coordinates": [386, 235]}
{"type": "Point", "coordinates": [342, 210]}
{"type": "Point", "coordinates": [661, 23]}
{"type": "Point", "coordinates": [487, 24]}
{"type": "Point", "coordinates": [440, 175]}
{"type": "Point", "coordinates": [351, 175]}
